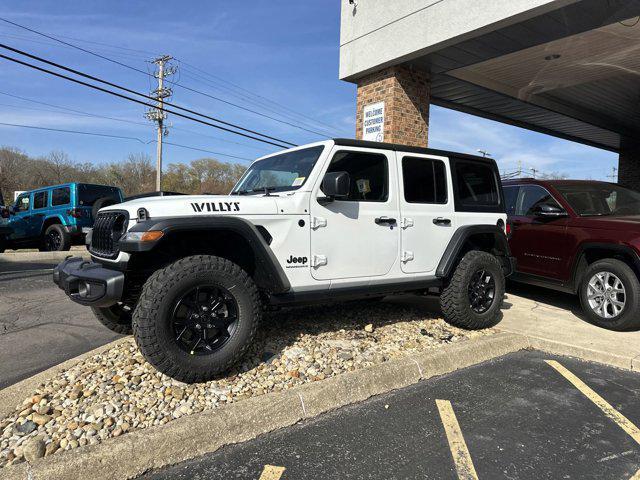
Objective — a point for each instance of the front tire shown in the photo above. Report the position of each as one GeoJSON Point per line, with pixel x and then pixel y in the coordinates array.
{"type": "Point", "coordinates": [116, 318]}
{"type": "Point", "coordinates": [55, 239]}
{"type": "Point", "coordinates": [473, 298]}
{"type": "Point", "coordinates": [196, 318]}
{"type": "Point", "coordinates": [610, 295]}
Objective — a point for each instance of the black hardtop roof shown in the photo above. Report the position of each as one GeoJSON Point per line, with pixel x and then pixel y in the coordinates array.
{"type": "Point", "coordinates": [396, 147]}
{"type": "Point", "coordinates": [542, 181]}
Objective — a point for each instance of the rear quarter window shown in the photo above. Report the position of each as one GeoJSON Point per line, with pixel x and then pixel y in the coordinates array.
{"type": "Point", "coordinates": [60, 196]}
{"type": "Point", "coordinates": [477, 187]}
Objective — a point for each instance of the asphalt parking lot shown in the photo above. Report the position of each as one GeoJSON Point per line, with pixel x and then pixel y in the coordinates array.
{"type": "Point", "coordinates": [39, 326]}
{"type": "Point", "coordinates": [527, 415]}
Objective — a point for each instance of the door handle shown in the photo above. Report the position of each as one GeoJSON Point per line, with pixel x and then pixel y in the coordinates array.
{"type": "Point", "coordinates": [441, 221]}
{"type": "Point", "coordinates": [385, 221]}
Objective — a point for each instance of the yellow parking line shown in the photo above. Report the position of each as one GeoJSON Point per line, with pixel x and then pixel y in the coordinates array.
{"type": "Point", "coordinates": [457, 445]}
{"type": "Point", "coordinates": [622, 421]}
{"type": "Point", "coordinates": [271, 472]}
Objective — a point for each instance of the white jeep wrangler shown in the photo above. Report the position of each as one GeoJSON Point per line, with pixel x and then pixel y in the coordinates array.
{"type": "Point", "coordinates": [334, 220]}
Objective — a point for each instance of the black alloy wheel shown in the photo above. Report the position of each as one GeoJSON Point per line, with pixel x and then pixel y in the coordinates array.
{"type": "Point", "coordinates": [53, 240]}
{"type": "Point", "coordinates": [204, 319]}
{"type": "Point", "coordinates": [482, 291]}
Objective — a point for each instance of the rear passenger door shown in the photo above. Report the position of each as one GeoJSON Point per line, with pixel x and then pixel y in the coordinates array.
{"type": "Point", "coordinates": [40, 204]}
{"type": "Point", "coordinates": [426, 209]}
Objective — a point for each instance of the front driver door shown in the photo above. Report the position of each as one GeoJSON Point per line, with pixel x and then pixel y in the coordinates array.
{"type": "Point", "coordinates": [357, 236]}
{"type": "Point", "coordinates": [539, 244]}
{"type": "Point", "coordinates": [21, 217]}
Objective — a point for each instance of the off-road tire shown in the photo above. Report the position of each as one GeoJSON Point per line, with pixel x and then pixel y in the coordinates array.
{"type": "Point", "coordinates": [115, 318]}
{"type": "Point", "coordinates": [454, 300]}
{"type": "Point", "coordinates": [65, 239]}
{"type": "Point", "coordinates": [151, 318]}
{"type": "Point", "coordinates": [629, 319]}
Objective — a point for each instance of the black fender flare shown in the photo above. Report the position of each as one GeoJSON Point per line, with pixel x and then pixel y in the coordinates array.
{"type": "Point", "coordinates": [452, 253]}
{"type": "Point", "coordinates": [268, 272]}
{"type": "Point", "coordinates": [615, 248]}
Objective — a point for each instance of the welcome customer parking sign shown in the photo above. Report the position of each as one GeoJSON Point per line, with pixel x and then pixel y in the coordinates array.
{"type": "Point", "coordinates": [373, 122]}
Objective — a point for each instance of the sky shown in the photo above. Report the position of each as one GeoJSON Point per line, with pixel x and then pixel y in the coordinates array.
{"type": "Point", "coordinates": [276, 57]}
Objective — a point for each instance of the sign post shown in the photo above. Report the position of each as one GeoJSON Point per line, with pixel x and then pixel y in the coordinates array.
{"type": "Point", "coordinates": [373, 122]}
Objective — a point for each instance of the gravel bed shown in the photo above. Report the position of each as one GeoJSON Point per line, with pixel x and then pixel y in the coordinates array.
{"type": "Point", "coordinates": [116, 392]}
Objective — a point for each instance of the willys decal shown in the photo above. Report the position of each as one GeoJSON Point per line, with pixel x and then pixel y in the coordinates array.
{"type": "Point", "coordinates": [215, 207]}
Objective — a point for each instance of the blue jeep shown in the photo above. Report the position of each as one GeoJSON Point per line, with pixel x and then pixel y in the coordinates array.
{"type": "Point", "coordinates": [52, 218]}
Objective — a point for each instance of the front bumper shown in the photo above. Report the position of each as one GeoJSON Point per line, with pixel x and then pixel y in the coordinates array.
{"type": "Point", "coordinates": [89, 283]}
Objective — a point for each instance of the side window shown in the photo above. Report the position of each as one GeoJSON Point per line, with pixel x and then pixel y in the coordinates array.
{"type": "Point", "coordinates": [369, 174]}
{"type": "Point", "coordinates": [60, 196]}
{"type": "Point", "coordinates": [477, 184]}
{"type": "Point", "coordinates": [424, 180]}
{"type": "Point", "coordinates": [22, 203]}
{"type": "Point", "coordinates": [531, 196]}
{"type": "Point", "coordinates": [510, 199]}
{"type": "Point", "coordinates": [40, 200]}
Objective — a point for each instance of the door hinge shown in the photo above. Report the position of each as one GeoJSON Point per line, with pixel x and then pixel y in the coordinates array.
{"type": "Point", "coordinates": [318, 222]}
{"type": "Point", "coordinates": [406, 222]}
{"type": "Point", "coordinates": [318, 260]}
{"type": "Point", "coordinates": [407, 256]}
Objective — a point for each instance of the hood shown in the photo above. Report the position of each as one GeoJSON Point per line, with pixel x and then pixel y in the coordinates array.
{"type": "Point", "coordinates": [194, 205]}
{"type": "Point", "coordinates": [631, 222]}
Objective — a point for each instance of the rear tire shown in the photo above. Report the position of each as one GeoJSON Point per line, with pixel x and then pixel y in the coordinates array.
{"type": "Point", "coordinates": [190, 337]}
{"type": "Point", "coordinates": [628, 318]}
{"type": "Point", "coordinates": [116, 318]}
{"type": "Point", "coordinates": [55, 239]}
{"type": "Point", "coordinates": [472, 299]}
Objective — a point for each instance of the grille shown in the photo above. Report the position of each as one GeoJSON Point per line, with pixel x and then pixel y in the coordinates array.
{"type": "Point", "coordinates": [107, 230]}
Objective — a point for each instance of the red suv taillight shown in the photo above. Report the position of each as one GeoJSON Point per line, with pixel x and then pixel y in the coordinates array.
{"type": "Point", "coordinates": [75, 213]}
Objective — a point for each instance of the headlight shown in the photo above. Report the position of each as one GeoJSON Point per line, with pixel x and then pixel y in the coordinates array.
{"type": "Point", "coordinates": [150, 236]}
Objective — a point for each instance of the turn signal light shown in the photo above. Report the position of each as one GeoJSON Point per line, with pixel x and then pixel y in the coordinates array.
{"type": "Point", "coordinates": [151, 236]}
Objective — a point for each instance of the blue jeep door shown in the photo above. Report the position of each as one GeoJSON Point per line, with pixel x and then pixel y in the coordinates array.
{"type": "Point", "coordinates": [20, 220]}
{"type": "Point", "coordinates": [38, 212]}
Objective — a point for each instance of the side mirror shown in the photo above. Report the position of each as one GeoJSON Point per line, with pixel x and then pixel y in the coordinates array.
{"type": "Point", "coordinates": [547, 210]}
{"type": "Point", "coordinates": [336, 185]}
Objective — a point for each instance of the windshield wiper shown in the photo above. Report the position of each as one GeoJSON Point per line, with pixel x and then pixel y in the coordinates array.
{"type": "Point", "coordinates": [264, 190]}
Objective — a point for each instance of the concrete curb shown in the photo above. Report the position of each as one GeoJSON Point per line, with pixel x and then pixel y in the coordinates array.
{"type": "Point", "coordinates": [7, 259]}
{"type": "Point", "coordinates": [13, 395]}
{"type": "Point", "coordinates": [189, 437]}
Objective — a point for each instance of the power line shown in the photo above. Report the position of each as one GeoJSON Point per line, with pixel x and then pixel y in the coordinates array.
{"type": "Point", "coordinates": [207, 151]}
{"type": "Point", "coordinates": [95, 87]}
{"type": "Point", "coordinates": [122, 64]}
{"type": "Point", "coordinates": [78, 132]}
{"type": "Point", "coordinates": [33, 127]}
{"type": "Point", "coordinates": [116, 119]}
{"type": "Point", "coordinates": [284, 107]}
{"type": "Point", "coordinates": [128, 90]}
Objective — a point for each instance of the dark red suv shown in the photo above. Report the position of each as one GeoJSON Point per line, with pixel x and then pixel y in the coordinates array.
{"type": "Point", "coordinates": [581, 237]}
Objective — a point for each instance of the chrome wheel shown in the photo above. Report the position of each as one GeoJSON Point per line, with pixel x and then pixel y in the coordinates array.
{"type": "Point", "coordinates": [606, 295]}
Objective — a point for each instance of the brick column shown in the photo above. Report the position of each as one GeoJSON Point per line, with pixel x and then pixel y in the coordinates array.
{"type": "Point", "coordinates": [407, 94]}
{"type": "Point", "coordinates": [629, 165]}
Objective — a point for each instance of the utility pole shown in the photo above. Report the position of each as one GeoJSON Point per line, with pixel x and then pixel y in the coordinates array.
{"type": "Point", "coordinates": [614, 175]}
{"type": "Point", "coordinates": [484, 153]}
{"type": "Point", "coordinates": [157, 114]}
{"type": "Point", "coordinates": [534, 171]}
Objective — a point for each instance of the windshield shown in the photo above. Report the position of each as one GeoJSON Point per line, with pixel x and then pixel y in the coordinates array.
{"type": "Point", "coordinates": [601, 199]}
{"type": "Point", "coordinates": [287, 171]}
